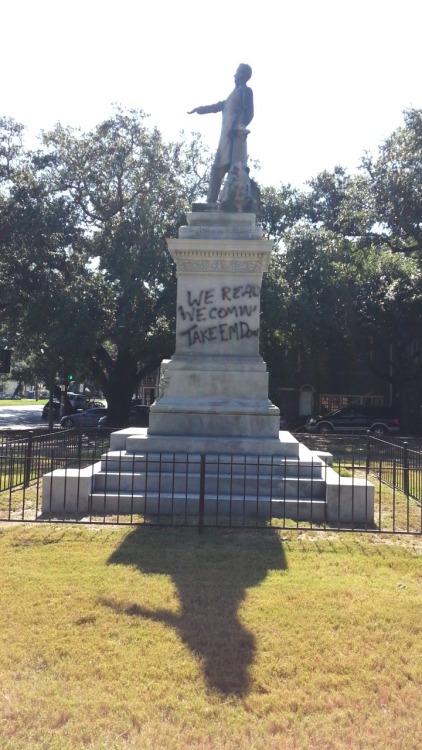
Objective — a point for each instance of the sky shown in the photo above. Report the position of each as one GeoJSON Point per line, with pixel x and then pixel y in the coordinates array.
{"type": "Point", "coordinates": [331, 78]}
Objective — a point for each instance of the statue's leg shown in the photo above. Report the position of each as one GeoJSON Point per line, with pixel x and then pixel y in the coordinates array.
{"type": "Point", "coordinates": [216, 178]}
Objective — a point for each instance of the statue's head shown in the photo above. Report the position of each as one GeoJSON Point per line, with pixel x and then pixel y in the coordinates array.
{"type": "Point", "coordinates": [243, 73]}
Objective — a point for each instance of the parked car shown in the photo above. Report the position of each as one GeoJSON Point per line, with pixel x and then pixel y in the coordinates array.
{"type": "Point", "coordinates": [91, 403]}
{"type": "Point", "coordinates": [78, 402]}
{"type": "Point", "coordinates": [138, 417]}
{"type": "Point", "coordinates": [379, 420]}
{"type": "Point", "coordinates": [84, 420]}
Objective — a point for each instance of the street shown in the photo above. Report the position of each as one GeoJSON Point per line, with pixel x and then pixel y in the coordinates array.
{"type": "Point", "coordinates": [21, 417]}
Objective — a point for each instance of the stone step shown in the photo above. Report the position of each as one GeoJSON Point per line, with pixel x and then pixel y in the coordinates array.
{"type": "Point", "coordinates": [234, 483]}
{"type": "Point", "coordinates": [221, 444]}
{"type": "Point", "coordinates": [223, 506]}
{"type": "Point", "coordinates": [181, 463]}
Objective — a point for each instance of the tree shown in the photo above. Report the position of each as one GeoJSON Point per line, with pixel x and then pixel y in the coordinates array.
{"type": "Point", "coordinates": [395, 177]}
{"type": "Point", "coordinates": [11, 150]}
{"type": "Point", "coordinates": [335, 284]}
{"type": "Point", "coordinates": [278, 210]}
{"type": "Point", "coordinates": [343, 204]}
{"type": "Point", "coordinates": [39, 263]}
{"type": "Point", "coordinates": [85, 276]}
{"type": "Point", "coordinates": [388, 297]}
{"type": "Point", "coordinates": [131, 191]}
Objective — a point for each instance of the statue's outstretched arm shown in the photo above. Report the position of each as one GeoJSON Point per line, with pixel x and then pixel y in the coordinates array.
{"type": "Point", "coordinates": [208, 109]}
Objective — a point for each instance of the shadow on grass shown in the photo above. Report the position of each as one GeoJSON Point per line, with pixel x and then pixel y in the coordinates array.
{"type": "Point", "coordinates": [212, 574]}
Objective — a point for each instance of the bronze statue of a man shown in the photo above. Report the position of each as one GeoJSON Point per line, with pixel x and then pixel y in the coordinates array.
{"type": "Point", "coordinates": [237, 112]}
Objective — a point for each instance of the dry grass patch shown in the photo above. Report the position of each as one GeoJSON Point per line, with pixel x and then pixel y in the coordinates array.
{"type": "Point", "coordinates": [157, 638]}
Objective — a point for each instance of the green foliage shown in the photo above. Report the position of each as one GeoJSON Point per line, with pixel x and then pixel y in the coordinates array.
{"type": "Point", "coordinates": [91, 284]}
{"type": "Point", "coordinates": [10, 147]}
{"type": "Point", "coordinates": [338, 280]}
{"type": "Point", "coordinates": [279, 208]}
{"type": "Point", "coordinates": [38, 266]}
{"type": "Point", "coordinates": [86, 280]}
{"type": "Point", "coordinates": [395, 178]}
{"type": "Point", "coordinates": [132, 191]}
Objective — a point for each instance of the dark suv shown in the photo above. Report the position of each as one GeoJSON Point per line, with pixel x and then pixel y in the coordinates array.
{"type": "Point", "coordinates": [379, 420]}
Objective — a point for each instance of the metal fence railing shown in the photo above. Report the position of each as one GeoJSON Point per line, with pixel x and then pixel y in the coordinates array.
{"type": "Point", "coordinates": [67, 476]}
{"type": "Point", "coordinates": [398, 466]}
{"type": "Point", "coordinates": [28, 456]}
{"type": "Point", "coordinates": [396, 462]}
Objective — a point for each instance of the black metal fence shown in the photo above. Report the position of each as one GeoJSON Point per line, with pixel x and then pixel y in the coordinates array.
{"type": "Point", "coordinates": [398, 466]}
{"type": "Point", "coordinates": [58, 477]}
{"type": "Point", "coordinates": [393, 466]}
{"type": "Point", "coordinates": [26, 456]}
{"type": "Point", "coordinates": [396, 462]}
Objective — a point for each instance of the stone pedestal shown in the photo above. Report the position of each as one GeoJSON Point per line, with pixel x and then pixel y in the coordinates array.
{"type": "Point", "coordinates": [216, 384]}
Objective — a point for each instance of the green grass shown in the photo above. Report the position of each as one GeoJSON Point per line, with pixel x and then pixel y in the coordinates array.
{"type": "Point", "coordinates": [341, 469]}
{"type": "Point", "coordinates": [160, 638]}
{"type": "Point", "coordinates": [23, 402]}
{"type": "Point", "coordinates": [394, 512]}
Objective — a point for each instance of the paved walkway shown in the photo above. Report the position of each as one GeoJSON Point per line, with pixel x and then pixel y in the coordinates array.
{"type": "Point", "coordinates": [21, 417]}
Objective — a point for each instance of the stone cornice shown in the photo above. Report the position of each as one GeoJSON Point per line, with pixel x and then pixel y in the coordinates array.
{"type": "Point", "coordinates": [234, 256]}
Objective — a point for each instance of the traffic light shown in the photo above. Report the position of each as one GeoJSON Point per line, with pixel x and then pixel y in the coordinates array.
{"type": "Point", "coordinates": [67, 377]}
{"type": "Point", "coordinates": [5, 357]}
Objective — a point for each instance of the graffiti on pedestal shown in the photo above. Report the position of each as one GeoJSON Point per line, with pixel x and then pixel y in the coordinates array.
{"type": "Point", "coordinates": [225, 314]}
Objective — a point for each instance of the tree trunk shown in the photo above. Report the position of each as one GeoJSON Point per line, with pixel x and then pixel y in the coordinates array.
{"type": "Point", "coordinates": [119, 387]}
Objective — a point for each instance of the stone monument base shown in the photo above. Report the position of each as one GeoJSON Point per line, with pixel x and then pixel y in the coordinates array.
{"type": "Point", "coordinates": [213, 431]}
{"type": "Point", "coordinates": [255, 480]}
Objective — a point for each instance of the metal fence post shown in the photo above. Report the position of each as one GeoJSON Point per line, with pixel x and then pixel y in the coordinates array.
{"type": "Point", "coordinates": [201, 509]}
{"type": "Point", "coordinates": [406, 468]}
{"type": "Point", "coordinates": [368, 448]}
{"type": "Point", "coordinates": [28, 459]}
{"type": "Point", "coordinates": [79, 448]}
